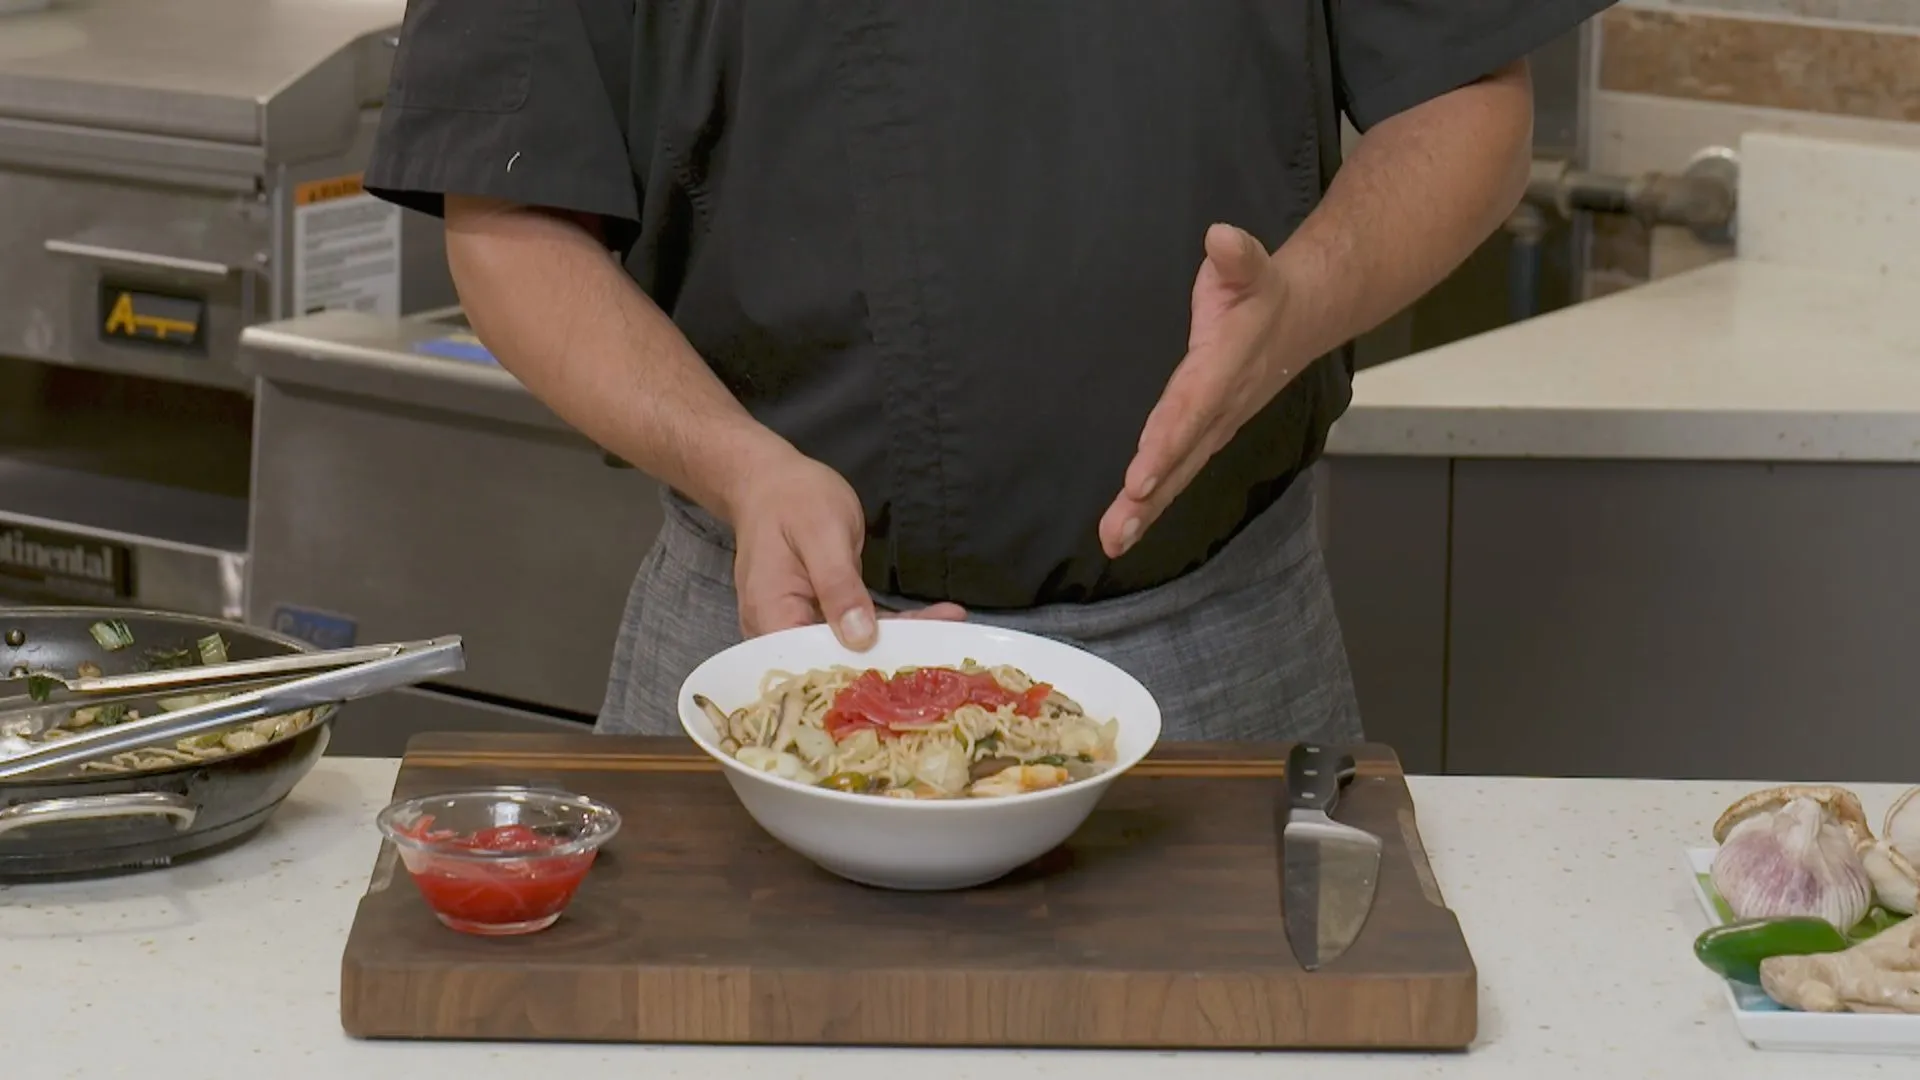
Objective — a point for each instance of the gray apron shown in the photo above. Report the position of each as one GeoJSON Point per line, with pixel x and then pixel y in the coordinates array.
{"type": "Point", "coordinates": [1245, 648]}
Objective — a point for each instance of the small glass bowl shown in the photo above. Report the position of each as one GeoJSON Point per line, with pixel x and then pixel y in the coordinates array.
{"type": "Point", "coordinates": [500, 860]}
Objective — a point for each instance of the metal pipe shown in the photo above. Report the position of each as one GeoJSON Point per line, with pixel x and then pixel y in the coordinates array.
{"type": "Point", "coordinates": [1702, 199]}
{"type": "Point", "coordinates": [1526, 227]}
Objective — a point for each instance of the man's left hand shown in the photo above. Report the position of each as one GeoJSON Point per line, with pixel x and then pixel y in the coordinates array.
{"type": "Point", "coordinates": [1234, 366]}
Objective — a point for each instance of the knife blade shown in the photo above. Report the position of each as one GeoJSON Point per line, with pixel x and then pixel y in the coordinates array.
{"type": "Point", "coordinates": [1328, 871]}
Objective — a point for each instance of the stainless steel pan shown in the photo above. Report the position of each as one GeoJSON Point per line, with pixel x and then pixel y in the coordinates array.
{"type": "Point", "coordinates": [61, 815]}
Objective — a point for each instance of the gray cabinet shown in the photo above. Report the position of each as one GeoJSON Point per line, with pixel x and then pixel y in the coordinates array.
{"type": "Point", "coordinates": [1386, 540]}
{"type": "Point", "coordinates": [1627, 618]}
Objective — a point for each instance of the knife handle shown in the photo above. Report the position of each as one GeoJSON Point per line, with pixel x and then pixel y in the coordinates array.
{"type": "Point", "coordinates": [1315, 775]}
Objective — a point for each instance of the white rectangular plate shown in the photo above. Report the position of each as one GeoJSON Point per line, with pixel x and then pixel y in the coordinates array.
{"type": "Point", "coordinates": [1768, 1026]}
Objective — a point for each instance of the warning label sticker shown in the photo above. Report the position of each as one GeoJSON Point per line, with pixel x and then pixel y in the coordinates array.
{"type": "Point", "coordinates": [346, 249]}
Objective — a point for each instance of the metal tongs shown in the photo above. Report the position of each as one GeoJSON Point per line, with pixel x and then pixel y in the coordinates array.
{"type": "Point", "coordinates": [342, 675]}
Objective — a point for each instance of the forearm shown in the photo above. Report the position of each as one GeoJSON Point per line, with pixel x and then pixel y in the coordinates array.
{"type": "Point", "coordinates": [1419, 193]}
{"type": "Point", "coordinates": [566, 320]}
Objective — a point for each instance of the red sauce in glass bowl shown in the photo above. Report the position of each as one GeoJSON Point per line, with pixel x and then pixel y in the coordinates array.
{"type": "Point", "coordinates": [475, 883]}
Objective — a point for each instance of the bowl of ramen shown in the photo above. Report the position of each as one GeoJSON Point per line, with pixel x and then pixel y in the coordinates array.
{"type": "Point", "coordinates": [946, 756]}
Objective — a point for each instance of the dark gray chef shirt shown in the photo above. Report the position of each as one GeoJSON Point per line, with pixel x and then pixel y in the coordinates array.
{"type": "Point", "coordinates": [945, 246]}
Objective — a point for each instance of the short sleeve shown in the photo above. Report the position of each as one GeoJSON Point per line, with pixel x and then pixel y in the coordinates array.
{"type": "Point", "coordinates": [522, 100]}
{"type": "Point", "coordinates": [1390, 55]}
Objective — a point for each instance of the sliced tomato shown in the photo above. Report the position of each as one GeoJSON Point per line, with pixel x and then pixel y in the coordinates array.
{"type": "Point", "coordinates": [509, 838]}
{"type": "Point", "coordinates": [423, 831]}
{"type": "Point", "coordinates": [921, 698]}
{"type": "Point", "coordinates": [1030, 702]}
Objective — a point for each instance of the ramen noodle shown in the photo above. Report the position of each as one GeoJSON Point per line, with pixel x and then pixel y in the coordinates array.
{"type": "Point", "coordinates": [918, 733]}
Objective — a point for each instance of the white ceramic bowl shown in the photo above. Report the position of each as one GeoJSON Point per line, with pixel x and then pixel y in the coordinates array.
{"type": "Point", "coordinates": [904, 843]}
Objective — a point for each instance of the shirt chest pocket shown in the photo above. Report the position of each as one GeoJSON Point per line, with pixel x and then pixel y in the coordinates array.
{"type": "Point", "coordinates": [470, 55]}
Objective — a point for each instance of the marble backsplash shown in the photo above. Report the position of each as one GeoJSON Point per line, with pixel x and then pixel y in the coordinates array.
{"type": "Point", "coordinates": [1867, 12]}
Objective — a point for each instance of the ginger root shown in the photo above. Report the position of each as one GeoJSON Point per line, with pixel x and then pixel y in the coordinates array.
{"type": "Point", "coordinates": [1879, 975]}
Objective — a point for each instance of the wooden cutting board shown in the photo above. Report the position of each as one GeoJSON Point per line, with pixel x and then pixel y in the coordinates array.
{"type": "Point", "coordinates": [1157, 925]}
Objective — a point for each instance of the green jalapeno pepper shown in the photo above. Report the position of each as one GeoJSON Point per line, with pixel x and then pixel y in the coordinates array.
{"type": "Point", "coordinates": [1735, 950]}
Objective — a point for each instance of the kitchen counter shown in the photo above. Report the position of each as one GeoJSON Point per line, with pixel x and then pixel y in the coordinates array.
{"type": "Point", "coordinates": [1571, 894]}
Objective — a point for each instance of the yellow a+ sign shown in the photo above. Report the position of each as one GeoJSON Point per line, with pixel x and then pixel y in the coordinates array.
{"type": "Point", "coordinates": [124, 321]}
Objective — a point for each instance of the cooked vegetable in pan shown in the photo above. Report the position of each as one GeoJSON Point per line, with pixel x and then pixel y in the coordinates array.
{"type": "Point", "coordinates": [113, 636]}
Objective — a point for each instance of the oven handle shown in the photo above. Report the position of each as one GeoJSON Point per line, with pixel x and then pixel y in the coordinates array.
{"type": "Point", "coordinates": [79, 808]}
{"type": "Point", "coordinates": [143, 259]}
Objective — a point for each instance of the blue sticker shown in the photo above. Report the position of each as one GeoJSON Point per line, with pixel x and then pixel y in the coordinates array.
{"type": "Point", "coordinates": [316, 628]}
{"type": "Point", "coordinates": [457, 347]}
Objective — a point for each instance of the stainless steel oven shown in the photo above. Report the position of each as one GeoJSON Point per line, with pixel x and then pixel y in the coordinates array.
{"type": "Point", "coordinates": [406, 485]}
{"type": "Point", "coordinates": [172, 171]}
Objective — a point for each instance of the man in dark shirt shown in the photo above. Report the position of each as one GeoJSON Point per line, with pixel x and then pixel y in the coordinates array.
{"type": "Point", "coordinates": [1031, 311]}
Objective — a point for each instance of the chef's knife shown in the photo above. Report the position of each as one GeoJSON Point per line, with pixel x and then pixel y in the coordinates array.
{"type": "Point", "coordinates": [1327, 870]}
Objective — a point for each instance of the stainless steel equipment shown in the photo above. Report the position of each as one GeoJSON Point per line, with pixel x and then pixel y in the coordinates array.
{"type": "Point", "coordinates": [170, 172]}
{"type": "Point", "coordinates": [406, 484]}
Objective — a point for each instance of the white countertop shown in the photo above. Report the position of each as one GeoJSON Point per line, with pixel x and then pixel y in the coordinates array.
{"type": "Point", "coordinates": [1804, 348]}
{"type": "Point", "coordinates": [1734, 361]}
{"type": "Point", "coordinates": [1571, 894]}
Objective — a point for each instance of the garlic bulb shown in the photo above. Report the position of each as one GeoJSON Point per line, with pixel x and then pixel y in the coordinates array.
{"type": "Point", "coordinates": [1896, 881]}
{"type": "Point", "coordinates": [1902, 829]}
{"type": "Point", "coordinates": [1893, 861]}
{"type": "Point", "coordinates": [1793, 859]}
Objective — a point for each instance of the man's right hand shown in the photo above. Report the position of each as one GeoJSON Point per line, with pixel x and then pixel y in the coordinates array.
{"type": "Point", "coordinates": [798, 530]}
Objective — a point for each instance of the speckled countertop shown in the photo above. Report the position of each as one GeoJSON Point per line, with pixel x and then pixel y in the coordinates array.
{"type": "Point", "coordinates": [1571, 893]}
{"type": "Point", "coordinates": [1804, 348]}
